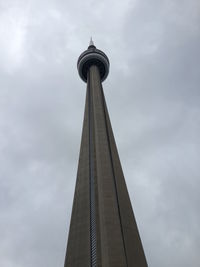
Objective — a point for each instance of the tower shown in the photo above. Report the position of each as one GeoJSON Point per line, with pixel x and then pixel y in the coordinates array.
{"type": "Point", "coordinates": [103, 230]}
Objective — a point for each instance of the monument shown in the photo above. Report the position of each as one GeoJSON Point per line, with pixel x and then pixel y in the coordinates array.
{"type": "Point", "coordinates": [103, 230]}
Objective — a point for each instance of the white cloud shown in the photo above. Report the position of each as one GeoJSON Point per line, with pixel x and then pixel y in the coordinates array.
{"type": "Point", "coordinates": [13, 33]}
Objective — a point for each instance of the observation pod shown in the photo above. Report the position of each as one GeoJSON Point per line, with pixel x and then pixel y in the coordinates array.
{"type": "Point", "coordinates": [93, 56]}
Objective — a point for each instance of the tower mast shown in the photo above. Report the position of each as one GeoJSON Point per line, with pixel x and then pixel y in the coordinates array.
{"type": "Point", "coordinates": [103, 230]}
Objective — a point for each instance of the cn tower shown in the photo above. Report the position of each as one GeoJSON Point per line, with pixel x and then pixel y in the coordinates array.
{"type": "Point", "coordinates": [103, 230]}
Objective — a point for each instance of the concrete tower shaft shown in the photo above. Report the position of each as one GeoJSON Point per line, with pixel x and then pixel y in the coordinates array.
{"type": "Point", "coordinates": [103, 231]}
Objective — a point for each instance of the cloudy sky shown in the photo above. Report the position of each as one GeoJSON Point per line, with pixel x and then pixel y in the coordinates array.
{"type": "Point", "coordinates": [153, 97]}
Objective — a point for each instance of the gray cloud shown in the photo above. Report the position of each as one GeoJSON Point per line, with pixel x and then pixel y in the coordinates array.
{"type": "Point", "coordinates": [152, 94]}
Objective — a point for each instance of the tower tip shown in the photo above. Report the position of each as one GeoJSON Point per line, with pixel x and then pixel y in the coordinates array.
{"type": "Point", "coordinates": [91, 42]}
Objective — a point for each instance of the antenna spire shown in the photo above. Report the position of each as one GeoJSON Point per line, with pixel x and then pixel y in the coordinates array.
{"type": "Point", "coordinates": [91, 44]}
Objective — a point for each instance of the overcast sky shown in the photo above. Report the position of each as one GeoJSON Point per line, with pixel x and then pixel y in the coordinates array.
{"type": "Point", "coordinates": [153, 97]}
